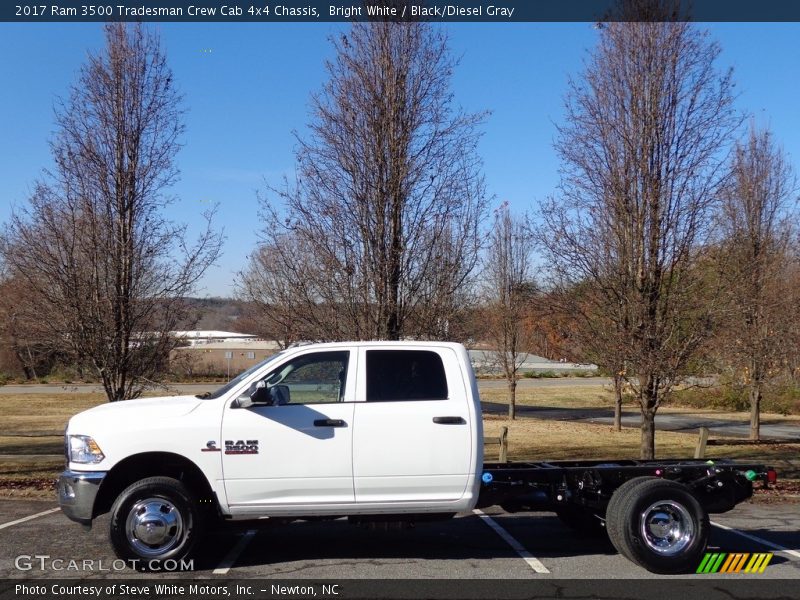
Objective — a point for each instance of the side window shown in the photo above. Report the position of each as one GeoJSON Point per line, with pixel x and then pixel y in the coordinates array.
{"type": "Point", "coordinates": [311, 379]}
{"type": "Point", "coordinates": [395, 375]}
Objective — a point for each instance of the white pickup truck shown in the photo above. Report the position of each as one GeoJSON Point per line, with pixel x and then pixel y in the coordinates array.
{"type": "Point", "coordinates": [367, 430]}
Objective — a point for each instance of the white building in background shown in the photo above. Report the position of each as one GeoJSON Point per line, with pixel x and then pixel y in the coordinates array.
{"type": "Point", "coordinates": [485, 361]}
{"type": "Point", "coordinates": [218, 353]}
{"type": "Point", "coordinates": [201, 337]}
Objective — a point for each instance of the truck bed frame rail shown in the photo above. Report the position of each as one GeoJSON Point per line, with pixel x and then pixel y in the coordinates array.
{"type": "Point", "coordinates": [589, 484]}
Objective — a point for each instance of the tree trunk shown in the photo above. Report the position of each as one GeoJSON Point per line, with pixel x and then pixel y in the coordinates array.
{"type": "Point", "coordinates": [30, 365]}
{"type": "Point", "coordinates": [512, 399]}
{"type": "Point", "coordinates": [647, 449]}
{"type": "Point", "coordinates": [617, 403]}
{"type": "Point", "coordinates": [755, 410]}
{"type": "Point", "coordinates": [648, 401]}
{"type": "Point", "coordinates": [26, 368]}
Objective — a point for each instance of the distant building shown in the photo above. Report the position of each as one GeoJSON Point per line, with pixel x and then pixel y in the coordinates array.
{"type": "Point", "coordinates": [194, 338]}
{"type": "Point", "coordinates": [218, 353]}
{"type": "Point", "coordinates": [485, 362]}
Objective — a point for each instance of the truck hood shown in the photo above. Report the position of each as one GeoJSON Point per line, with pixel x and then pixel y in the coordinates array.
{"type": "Point", "coordinates": [146, 410]}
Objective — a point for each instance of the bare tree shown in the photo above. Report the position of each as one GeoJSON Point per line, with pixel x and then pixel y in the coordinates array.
{"type": "Point", "coordinates": [379, 234]}
{"type": "Point", "coordinates": [643, 153]}
{"type": "Point", "coordinates": [792, 324]}
{"type": "Point", "coordinates": [509, 289]}
{"type": "Point", "coordinates": [25, 345]}
{"type": "Point", "coordinates": [756, 265]}
{"type": "Point", "coordinates": [106, 271]}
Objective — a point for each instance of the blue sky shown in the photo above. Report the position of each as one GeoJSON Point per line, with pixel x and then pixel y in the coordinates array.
{"type": "Point", "coordinates": [247, 88]}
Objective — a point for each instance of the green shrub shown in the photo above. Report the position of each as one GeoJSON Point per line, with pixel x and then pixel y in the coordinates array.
{"type": "Point", "coordinates": [65, 373]}
{"type": "Point", "coordinates": [547, 375]}
{"type": "Point", "coordinates": [587, 374]}
{"type": "Point", "coordinates": [783, 399]}
{"type": "Point", "coordinates": [556, 374]}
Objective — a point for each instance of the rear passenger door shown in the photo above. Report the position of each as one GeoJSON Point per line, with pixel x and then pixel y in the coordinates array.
{"type": "Point", "coordinates": [411, 431]}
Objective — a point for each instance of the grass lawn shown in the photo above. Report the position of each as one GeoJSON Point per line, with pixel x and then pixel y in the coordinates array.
{"type": "Point", "coordinates": [537, 440]}
{"type": "Point", "coordinates": [534, 439]}
{"type": "Point", "coordinates": [594, 396]}
{"type": "Point", "coordinates": [43, 412]}
{"type": "Point", "coordinates": [31, 413]}
{"type": "Point", "coordinates": [599, 396]}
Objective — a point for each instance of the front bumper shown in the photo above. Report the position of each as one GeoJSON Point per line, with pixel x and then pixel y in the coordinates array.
{"type": "Point", "coordinates": [76, 493]}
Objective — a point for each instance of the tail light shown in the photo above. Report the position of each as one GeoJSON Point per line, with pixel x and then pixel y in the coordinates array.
{"type": "Point", "coordinates": [772, 476]}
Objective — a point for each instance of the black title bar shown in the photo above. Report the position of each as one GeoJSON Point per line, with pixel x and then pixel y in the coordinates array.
{"type": "Point", "coordinates": [91, 588]}
{"type": "Point", "coordinates": [505, 11]}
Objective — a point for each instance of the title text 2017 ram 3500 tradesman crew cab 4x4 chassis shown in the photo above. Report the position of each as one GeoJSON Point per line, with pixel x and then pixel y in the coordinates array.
{"type": "Point", "coordinates": [368, 430]}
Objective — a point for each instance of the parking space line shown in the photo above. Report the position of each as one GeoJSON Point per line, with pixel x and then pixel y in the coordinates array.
{"type": "Point", "coordinates": [533, 562]}
{"type": "Point", "coordinates": [759, 540]}
{"type": "Point", "coordinates": [231, 557]}
{"type": "Point", "coordinates": [28, 518]}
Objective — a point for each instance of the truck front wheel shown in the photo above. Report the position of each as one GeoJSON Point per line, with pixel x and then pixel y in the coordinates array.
{"type": "Point", "coordinates": [659, 525]}
{"type": "Point", "coordinates": [154, 519]}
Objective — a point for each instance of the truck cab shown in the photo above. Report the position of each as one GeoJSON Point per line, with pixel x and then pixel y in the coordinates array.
{"type": "Point", "coordinates": [345, 429]}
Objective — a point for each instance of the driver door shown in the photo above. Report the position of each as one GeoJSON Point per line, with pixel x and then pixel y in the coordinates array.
{"type": "Point", "coordinates": [296, 448]}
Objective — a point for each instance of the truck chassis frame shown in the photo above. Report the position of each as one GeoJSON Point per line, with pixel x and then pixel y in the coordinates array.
{"type": "Point", "coordinates": [655, 512]}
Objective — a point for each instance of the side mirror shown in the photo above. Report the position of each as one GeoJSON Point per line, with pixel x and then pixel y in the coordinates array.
{"type": "Point", "coordinates": [260, 395]}
{"type": "Point", "coordinates": [242, 402]}
{"type": "Point", "coordinates": [256, 394]}
{"type": "Point", "coordinates": [279, 395]}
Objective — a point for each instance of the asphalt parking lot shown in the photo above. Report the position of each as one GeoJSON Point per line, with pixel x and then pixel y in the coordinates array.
{"type": "Point", "coordinates": [518, 546]}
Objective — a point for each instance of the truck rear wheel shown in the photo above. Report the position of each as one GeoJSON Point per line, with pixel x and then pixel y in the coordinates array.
{"type": "Point", "coordinates": [614, 512]}
{"type": "Point", "coordinates": [659, 525]}
{"type": "Point", "coordinates": [153, 520]}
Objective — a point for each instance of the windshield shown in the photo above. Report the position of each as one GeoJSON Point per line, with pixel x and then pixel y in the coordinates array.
{"type": "Point", "coordinates": [238, 379]}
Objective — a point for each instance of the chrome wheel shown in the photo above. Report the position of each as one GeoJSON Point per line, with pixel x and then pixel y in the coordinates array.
{"type": "Point", "coordinates": [154, 527]}
{"type": "Point", "coordinates": [667, 527]}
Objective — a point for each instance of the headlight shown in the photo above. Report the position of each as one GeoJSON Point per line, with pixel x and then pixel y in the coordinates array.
{"type": "Point", "coordinates": [83, 449]}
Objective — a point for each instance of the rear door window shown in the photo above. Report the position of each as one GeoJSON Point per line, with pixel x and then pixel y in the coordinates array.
{"type": "Point", "coordinates": [397, 375]}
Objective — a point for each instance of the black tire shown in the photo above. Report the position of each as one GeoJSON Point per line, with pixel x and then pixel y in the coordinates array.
{"type": "Point", "coordinates": [659, 525]}
{"type": "Point", "coordinates": [153, 520]}
{"type": "Point", "coordinates": [615, 511]}
{"type": "Point", "coordinates": [581, 520]}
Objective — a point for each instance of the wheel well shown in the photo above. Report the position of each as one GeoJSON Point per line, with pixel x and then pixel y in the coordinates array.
{"type": "Point", "coordinates": [152, 464]}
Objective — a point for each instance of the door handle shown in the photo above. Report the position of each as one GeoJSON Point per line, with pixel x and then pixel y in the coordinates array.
{"type": "Point", "coordinates": [449, 421]}
{"type": "Point", "coordinates": [329, 423]}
